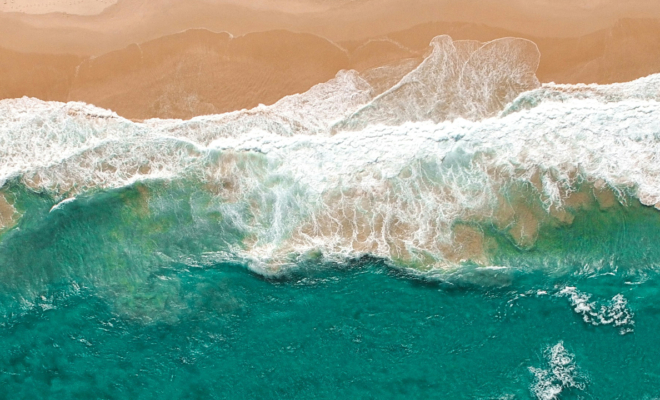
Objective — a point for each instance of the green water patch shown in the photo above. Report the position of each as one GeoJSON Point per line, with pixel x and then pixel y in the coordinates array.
{"type": "Point", "coordinates": [123, 242]}
{"type": "Point", "coordinates": [131, 244]}
{"type": "Point", "coordinates": [592, 235]}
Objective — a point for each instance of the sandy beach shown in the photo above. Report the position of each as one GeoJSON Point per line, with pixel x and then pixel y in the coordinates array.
{"type": "Point", "coordinates": [166, 58]}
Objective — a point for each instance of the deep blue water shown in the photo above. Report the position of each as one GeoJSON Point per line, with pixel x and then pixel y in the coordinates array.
{"type": "Point", "coordinates": [364, 331]}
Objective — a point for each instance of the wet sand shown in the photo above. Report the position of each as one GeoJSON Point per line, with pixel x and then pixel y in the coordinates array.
{"type": "Point", "coordinates": [167, 58]}
{"type": "Point", "coordinates": [7, 213]}
{"type": "Point", "coordinates": [200, 72]}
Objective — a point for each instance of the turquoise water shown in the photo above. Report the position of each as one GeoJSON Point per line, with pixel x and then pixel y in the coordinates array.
{"type": "Point", "coordinates": [119, 294]}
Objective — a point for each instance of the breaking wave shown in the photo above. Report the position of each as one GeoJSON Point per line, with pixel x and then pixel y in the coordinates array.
{"type": "Point", "coordinates": [615, 312]}
{"type": "Point", "coordinates": [560, 373]}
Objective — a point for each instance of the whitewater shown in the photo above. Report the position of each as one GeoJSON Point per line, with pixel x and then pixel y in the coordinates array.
{"type": "Point", "coordinates": [419, 164]}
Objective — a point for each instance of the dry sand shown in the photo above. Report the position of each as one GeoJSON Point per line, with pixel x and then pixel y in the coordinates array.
{"type": "Point", "coordinates": [76, 7]}
{"type": "Point", "coordinates": [137, 21]}
{"type": "Point", "coordinates": [181, 68]}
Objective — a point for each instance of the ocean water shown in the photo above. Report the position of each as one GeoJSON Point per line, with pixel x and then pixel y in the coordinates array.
{"type": "Point", "coordinates": [466, 233]}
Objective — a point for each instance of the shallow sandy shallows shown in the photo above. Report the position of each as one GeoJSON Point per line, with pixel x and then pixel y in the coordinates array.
{"type": "Point", "coordinates": [76, 7]}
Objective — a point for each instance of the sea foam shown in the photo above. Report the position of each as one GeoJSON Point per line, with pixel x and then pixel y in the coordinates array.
{"type": "Point", "coordinates": [560, 373]}
{"type": "Point", "coordinates": [614, 312]}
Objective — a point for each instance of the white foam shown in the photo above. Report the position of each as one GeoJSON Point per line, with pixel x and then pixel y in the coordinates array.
{"type": "Point", "coordinates": [614, 312]}
{"type": "Point", "coordinates": [61, 203]}
{"type": "Point", "coordinates": [561, 373]}
{"type": "Point", "coordinates": [646, 88]}
{"type": "Point", "coordinates": [309, 113]}
{"type": "Point", "coordinates": [389, 191]}
{"type": "Point", "coordinates": [613, 142]}
{"type": "Point", "coordinates": [462, 79]}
